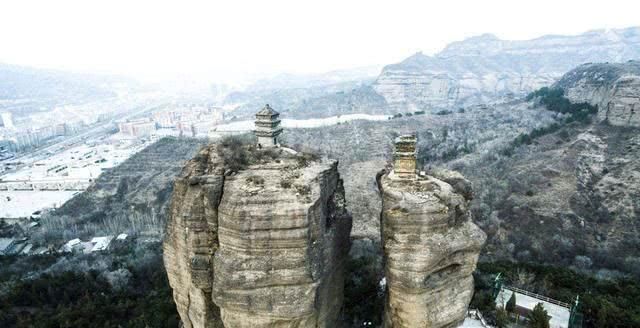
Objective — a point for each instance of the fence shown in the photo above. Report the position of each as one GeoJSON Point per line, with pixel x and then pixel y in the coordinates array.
{"type": "Point", "coordinates": [540, 297]}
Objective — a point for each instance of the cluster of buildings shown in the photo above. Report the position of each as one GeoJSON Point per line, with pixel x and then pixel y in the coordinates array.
{"type": "Point", "coordinates": [192, 120]}
{"type": "Point", "coordinates": [20, 140]}
{"type": "Point", "coordinates": [48, 181]}
{"type": "Point", "coordinates": [96, 244]}
{"type": "Point", "coordinates": [143, 127]}
{"type": "Point", "coordinates": [21, 246]}
{"type": "Point", "coordinates": [39, 126]}
{"type": "Point", "coordinates": [34, 130]}
{"type": "Point", "coordinates": [184, 120]}
{"type": "Point", "coordinates": [14, 139]}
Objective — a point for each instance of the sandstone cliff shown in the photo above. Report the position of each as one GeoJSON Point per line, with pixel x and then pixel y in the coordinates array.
{"type": "Point", "coordinates": [262, 247]}
{"type": "Point", "coordinates": [615, 88]}
{"type": "Point", "coordinates": [192, 239]}
{"type": "Point", "coordinates": [484, 68]}
{"type": "Point", "coordinates": [431, 248]}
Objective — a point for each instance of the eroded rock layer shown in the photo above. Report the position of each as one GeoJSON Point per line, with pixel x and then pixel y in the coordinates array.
{"type": "Point", "coordinates": [485, 69]}
{"type": "Point", "coordinates": [192, 239]}
{"type": "Point", "coordinates": [263, 247]}
{"type": "Point", "coordinates": [431, 248]}
{"type": "Point", "coordinates": [613, 87]}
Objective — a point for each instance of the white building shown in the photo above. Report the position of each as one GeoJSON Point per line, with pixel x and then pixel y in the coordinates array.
{"type": "Point", "coordinates": [101, 243]}
{"type": "Point", "coordinates": [7, 120]}
{"type": "Point", "coordinates": [96, 244]}
{"type": "Point", "coordinates": [5, 245]}
{"type": "Point", "coordinates": [559, 312]}
{"type": "Point", "coordinates": [137, 128]}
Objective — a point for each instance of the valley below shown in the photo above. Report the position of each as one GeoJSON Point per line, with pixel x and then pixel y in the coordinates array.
{"type": "Point", "coordinates": [526, 167]}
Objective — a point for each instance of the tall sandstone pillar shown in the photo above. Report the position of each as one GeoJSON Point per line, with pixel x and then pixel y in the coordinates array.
{"type": "Point", "coordinates": [431, 247]}
{"type": "Point", "coordinates": [191, 239]}
{"type": "Point", "coordinates": [263, 247]}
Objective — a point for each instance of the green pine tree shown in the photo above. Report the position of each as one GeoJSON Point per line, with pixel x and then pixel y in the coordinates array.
{"type": "Point", "coordinates": [502, 318]}
{"type": "Point", "coordinates": [511, 303]}
{"type": "Point", "coordinates": [538, 318]}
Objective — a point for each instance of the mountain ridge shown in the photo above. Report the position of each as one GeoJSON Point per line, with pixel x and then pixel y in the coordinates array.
{"type": "Point", "coordinates": [485, 69]}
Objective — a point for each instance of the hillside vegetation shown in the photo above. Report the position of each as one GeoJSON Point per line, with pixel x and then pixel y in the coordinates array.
{"type": "Point", "coordinates": [126, 289]}
{"type": "Point", "coordinates": [132, 197]}
{"type": "Point", "coordinates": [603, 303]}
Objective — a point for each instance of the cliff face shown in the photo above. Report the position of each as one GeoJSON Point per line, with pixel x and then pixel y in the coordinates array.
{"type": "Point", "coordinates": [431, 248]}
{"type": "Point", "coordinates": [263, 247]}
{"type": "Point", "coordinates": [485, 68]}
{"type": "Point", "coordinates": [192, 239]}
{"type": "Point", "coordinates": [615, 88]}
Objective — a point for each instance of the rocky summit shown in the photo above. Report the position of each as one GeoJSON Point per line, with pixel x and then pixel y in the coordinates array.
{"type": "Point", "coordinates": [431, 247]}
{"type": "Point", "coordinates": [258, 240]}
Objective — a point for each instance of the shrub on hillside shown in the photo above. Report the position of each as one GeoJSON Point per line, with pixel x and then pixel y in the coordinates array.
{"type": "Point", "coordinates": [555, 101]}
{"type": "Point", "coordinates": [234, 153]}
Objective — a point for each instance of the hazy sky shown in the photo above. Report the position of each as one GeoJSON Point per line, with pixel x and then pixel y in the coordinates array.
{"type": "Point", "coordinates": [158, 38]}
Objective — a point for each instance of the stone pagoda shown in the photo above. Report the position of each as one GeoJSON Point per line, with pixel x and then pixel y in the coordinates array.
{"type": "Point", "coordinates": [404, 157]}
{"type": "Point", "coordinates": [267, 127]}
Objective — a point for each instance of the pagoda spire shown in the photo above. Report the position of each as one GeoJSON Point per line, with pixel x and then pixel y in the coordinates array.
{"type": "Point", "coordinates": [267, 127]}
{"type": "Point", "coordinates": [404, 157]}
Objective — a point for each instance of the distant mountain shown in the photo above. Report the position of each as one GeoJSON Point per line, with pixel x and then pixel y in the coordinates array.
{"type": "Point", "coordinates": [485, 68]}
{"type": "Point", "coordinates": [297, 81]}
{"type": "Point", "coordinates": [313, 95]}
{"type": "Point", "coordinates": [25, 88]}
{"type": "Point", "coordinates": [478, 70]}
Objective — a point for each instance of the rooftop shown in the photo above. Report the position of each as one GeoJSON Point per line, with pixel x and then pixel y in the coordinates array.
{"type": "Point", "coordinates": [267, 111]}
{"type": "Point", "coordinates": [73, 242]}
{"type": "Point", "coordinates": [5, 243]}
{"type": "Point", "coordinates": [101, 243]}
{"type": "Point", "coordinates": [406, 138]}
